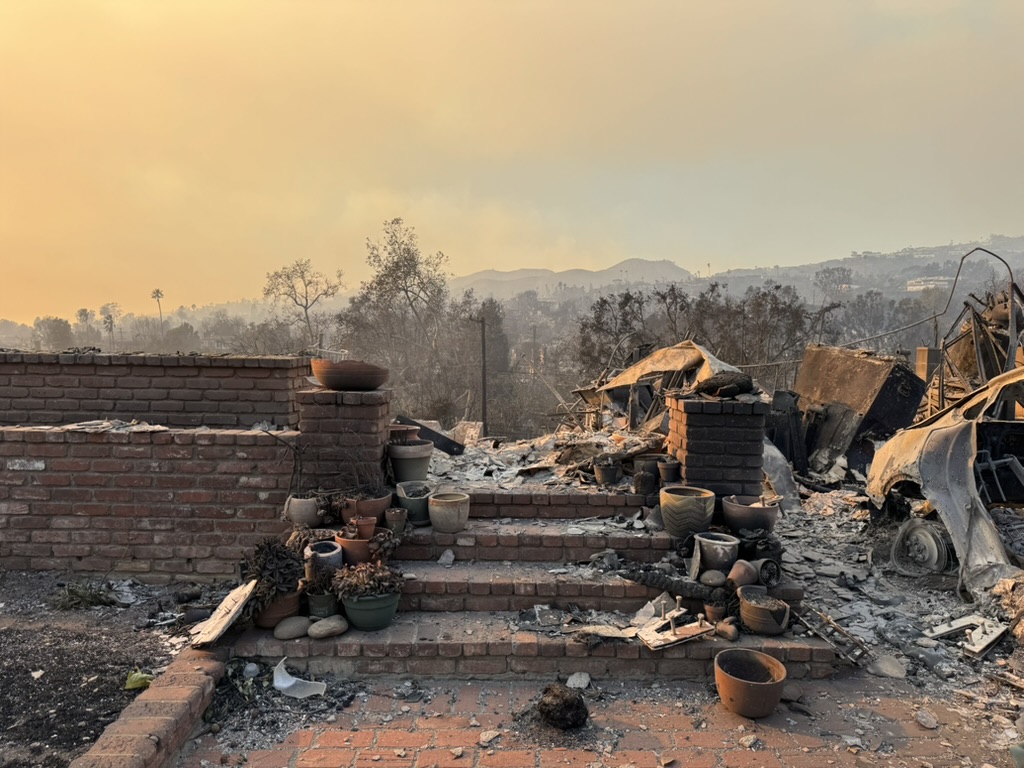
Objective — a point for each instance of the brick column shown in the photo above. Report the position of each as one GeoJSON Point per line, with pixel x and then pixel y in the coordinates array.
{"type": "Point", "coordinates": [343, 436]}
{"type": "Point", "coordinates": [718, 443]}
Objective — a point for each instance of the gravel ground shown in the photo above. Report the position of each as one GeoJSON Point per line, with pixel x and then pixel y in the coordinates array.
{"type": "Point", "coordinates": [64, 671]}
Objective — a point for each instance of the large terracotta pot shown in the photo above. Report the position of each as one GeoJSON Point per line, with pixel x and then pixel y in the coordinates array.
{"type": "Point", "coordinates": [348, 375]}
{"type": "Point", "coordinates": [449, 512]}
{"type": "Point", "coordinates": [686, 510]}
{"type": "Point", "coordinates": [749, 682]}
{"type": "Point", "coordinates": [279, 609]}
{"type": "Point", "coordinates": [356, 550]}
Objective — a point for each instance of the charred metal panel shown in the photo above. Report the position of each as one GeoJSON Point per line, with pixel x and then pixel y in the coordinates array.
{"type": "Point", "coordinates": [849, 396]}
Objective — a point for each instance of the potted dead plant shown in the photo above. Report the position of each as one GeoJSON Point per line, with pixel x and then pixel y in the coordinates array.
{"type": "Point", "coordinates": [370, 593]}
{"type": "Point", "coordinates": [277, 570]}
{"type": "Point", "coordinates": [320, 589]}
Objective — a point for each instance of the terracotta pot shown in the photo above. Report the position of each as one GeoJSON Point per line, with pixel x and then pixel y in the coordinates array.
{"type": "Point", "coordinates": [714, 613]}
{"type": "Point", "coordinates": [328, 552]}
{"type": "Point", "coordinates": [365, 526]}
{"type": "Point", "coordinates": [670, 471]}
{"type": "Point", "coordinates": [356, 550]}
{"type": "Point", "coordinates": [418, 504]}
{"type": "Point", "coordinates": [648, 462]}
{"type": "Point", "coordinates": [401, 434]}
{"type": "Point", "coordinates": [280, 608]}
{"type": "Point", "coordinates": [749, 682]}
{"type": "Point", "coordinates": [374, 507]}
{"type": "Point", "coordinates": [448, 511]}
{"type": "Point", "coordinates": [410, 461]}
{"type": "Point", "coordinates": [301, 511]}
{"type": "Point", "coordinates": [718, 551]}
{"type": "Point", "coordinates": [396, 519]}
{"type": "Point", "coordinates": [747, 512]}
{"type": "Point", "coordinates": [348, 375]}
{"type": "Point", "coordinates": [760, 613]}
{"type": "Point", "coordinates": [686, 510]}
{"type": "Point", "coordinates": [606, 474]}
{"type": "Point", "coordinates": [769, 572]}
{"type": "Point", "coordinates": [322, 606]}
{"type": "Point", "coordinates": [742, 573]}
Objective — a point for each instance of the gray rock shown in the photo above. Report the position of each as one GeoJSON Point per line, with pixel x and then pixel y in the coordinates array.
{"type": "Point", "coordinates": [329, 627]}
{"type": "Point", "coordinates": [926, 719]}
{"type": "Point", "coordinates": [578, 680]}
{"type": "Point", "coordinates": [292, 627]}
{"type": "Point", "coordinates": [887, 666]}
{"type": "Point", "coordinates": [447, 558]}
{"type": "Point", "coordinates": [713, 579]}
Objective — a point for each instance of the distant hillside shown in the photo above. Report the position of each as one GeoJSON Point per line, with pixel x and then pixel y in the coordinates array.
{"type": "Point", "coordinates": [888, 273]}
{"type": "Point", "coordinates": [505, 285]}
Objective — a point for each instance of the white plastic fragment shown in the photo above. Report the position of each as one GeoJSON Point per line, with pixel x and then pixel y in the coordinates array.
{"type": "Point", "coordinates": [294, 686]}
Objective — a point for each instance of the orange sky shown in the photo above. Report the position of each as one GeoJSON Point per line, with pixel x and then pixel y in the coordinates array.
{"type": "Point", "coordinates": [196, 145]}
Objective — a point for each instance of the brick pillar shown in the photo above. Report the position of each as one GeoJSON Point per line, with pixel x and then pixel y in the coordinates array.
{"type": "Point", "coordinates": [343, 436]}
{"type": "Point", "coordinates": [718, 443]}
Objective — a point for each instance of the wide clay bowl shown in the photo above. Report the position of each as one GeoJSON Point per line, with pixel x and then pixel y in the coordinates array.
{"type": "Point", "coordinates": [348, 375]}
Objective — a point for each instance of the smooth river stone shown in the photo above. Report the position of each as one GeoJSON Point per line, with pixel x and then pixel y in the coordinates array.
{"type": "Point", "coordinates": [329, 627]}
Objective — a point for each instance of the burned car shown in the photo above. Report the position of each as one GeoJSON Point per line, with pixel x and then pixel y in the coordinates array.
{"type": "Point", "coordinates": [967, 463]}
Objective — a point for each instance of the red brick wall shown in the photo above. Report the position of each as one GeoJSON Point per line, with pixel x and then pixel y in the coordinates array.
{"type": "Point", "coordinates": [158, 505]}
{"type": "Point", "coordinates": [173, 503]}
{"type": "Point", "coordinates": [719, 443]}
{"type": "Point", "coordinates": [176, 391]}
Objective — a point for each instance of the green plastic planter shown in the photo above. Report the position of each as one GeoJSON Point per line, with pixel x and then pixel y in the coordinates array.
{"type": "Point", "coordinates": [372, 612]}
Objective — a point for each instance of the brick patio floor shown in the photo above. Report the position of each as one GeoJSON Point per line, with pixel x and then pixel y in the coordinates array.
{"type": "Point", "coordinates": [674, 725]}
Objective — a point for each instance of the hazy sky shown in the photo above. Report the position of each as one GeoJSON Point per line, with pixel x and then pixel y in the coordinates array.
{"type": "Point", "coordinates": [195, 146]}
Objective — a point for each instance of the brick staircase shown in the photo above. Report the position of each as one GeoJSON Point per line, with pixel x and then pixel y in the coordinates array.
{"type": "Point", "coordinates": [464, 620]}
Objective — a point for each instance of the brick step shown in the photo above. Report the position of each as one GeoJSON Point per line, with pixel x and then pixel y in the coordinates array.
{"type": "Point", "coordinates": [538, 541]}
{"type": "Point", "coordinates": [490, 646]}
{"type": "Point", "coordinates": [518, 586]}
{"type": "Point", "coordinates": [546, 505]}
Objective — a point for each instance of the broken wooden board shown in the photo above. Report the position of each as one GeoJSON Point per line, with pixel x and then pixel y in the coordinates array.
{"type": "Point", "coordinates": [663, 632]}
{"type": "Point", "coordinates": [604, 630]}
{"type": "Point", "coordinates": [209, 631]}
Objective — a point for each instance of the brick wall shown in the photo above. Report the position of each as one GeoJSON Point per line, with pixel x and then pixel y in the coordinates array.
{"type": "Point", "coordinates": [174, 503]}
{"type": "Point", "coordinates": [176, 391]}
{"type": "Point", "coordinates": [344, 437]}
{"type": "Point", "coordinates": [178, 503]}
{"type": "Point", "coordinates": [718, 443]}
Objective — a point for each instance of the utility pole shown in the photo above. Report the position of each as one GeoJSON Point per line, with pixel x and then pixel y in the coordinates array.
{"type": "Point", "coordinates": [483, 375]}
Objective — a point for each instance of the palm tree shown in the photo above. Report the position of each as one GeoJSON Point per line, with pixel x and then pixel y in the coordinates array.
{"type": "Point", "coordinates": [158, 294]}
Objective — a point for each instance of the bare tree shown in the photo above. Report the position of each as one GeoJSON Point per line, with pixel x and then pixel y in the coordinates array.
{"type": "Point", "coordinates": [300, 288]}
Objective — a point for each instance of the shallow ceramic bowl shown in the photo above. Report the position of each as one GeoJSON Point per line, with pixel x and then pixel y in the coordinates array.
{"type": "Point", "coordinates": [348, 375]}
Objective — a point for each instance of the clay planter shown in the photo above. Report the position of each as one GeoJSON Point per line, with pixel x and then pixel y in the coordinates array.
{"type": "Point", "coordinates": [417, 505]}
{"type": "Point", "coordinates": [348, 375]}
{"type": "Point", "coordinates": [328, 552]}
{"type": "Point", "coordinates": [714, 613]}
{"type": "Point", "coordinates": [396, 519]}
{"type": "Point", "coordinates": [401, 434]}
{"type": "Point", "coordinates": [760, 613]}
{"type": "Point", "coordinates": [373, 507]}
{"type": "Point", "coordinates": [280, 608]}
{"type": "Point", "coordinates": [749, 682]}
{"type": "Point", "coordinates": [356, 550]}
{"type": "Point", "coordinates": [718, 551]}
{"type": "Point", "coordinates": [322, 606]}
{"type": "Point", "coordinates": [648, 462]}
{"type": "Point", "coordinates": [365, 526]}
{"type": "Point", "coordinates": [742, 573]}
{"type": "Point", "coordinates": [747, 512]}
{"type": "Point", "coordinates": [410, 461]}
{"type": "Point", "coordinates": [372, 612]}
{"type": "Point", "coordinates": [670, 471]}
{"type": "Point", "coordinates": [448, 511]}
{"type": "Point", "coordinates": [607, 474]}
{"type": "Point", "coordinates": [301, 511]}
{"type": "Point", "coordinates": [686, 510]}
